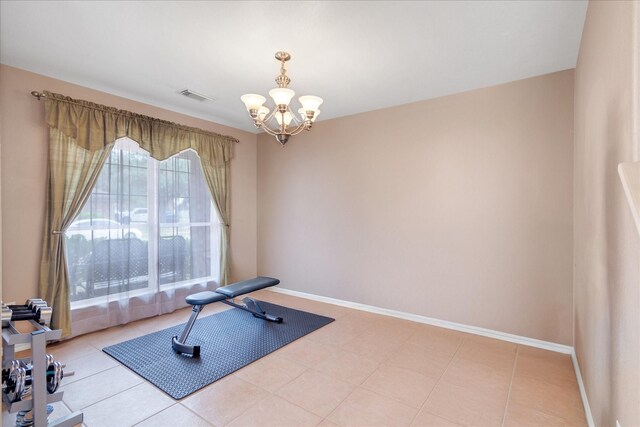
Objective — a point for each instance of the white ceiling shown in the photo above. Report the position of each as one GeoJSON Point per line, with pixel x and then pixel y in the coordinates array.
{"type": "Point", "coordinates": [358, 56]}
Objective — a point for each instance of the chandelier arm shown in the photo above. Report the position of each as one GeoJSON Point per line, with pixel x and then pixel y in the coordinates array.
{"type": "Point", "coordinates": [270, 115]}
{"type": "Point", "coordinates": [295, 118]}
{"type": "Point", "coordinates": [299, 129]}
{"type": "Point", "coordinates": [268, 130]}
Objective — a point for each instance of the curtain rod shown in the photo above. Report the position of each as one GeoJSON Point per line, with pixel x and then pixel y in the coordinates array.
{"type": "Point", "coordinates": [40, 95]}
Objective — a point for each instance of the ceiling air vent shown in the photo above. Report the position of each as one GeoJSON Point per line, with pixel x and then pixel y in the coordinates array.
{"type": "Point", "coordinates": [195, 95]}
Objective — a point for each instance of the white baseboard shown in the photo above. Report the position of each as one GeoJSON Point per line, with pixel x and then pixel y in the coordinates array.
{"type": "Point", "coordinates": [532, 342]}
{"type": "Point", "coordinates": [546, 345]}
{"type": "Point", "coordinates": [583, 391]}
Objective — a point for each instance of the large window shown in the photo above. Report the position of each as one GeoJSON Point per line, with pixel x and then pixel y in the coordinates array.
{"type": "Point", "coordinates": [147, 225]}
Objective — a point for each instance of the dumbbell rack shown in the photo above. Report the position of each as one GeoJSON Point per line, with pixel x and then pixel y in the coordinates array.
{"type": "Point", "coordinates": [39, 395]}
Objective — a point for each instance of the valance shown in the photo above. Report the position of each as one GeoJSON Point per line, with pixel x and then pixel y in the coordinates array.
{"type": "Point", "coordinates": [93, 125]}
{"type": "Point", "coordinates": [81, 137]}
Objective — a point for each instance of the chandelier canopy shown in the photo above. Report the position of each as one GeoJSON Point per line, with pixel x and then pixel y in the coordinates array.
{"type": "Point", "coordinates": [281, 122]}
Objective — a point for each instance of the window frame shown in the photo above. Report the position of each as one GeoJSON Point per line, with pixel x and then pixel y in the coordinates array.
{"type": "Point", "coordinates": [155, 227]}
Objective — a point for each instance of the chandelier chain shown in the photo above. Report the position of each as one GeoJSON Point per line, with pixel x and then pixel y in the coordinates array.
{"type": "Point", "coordinates": [283, 80]}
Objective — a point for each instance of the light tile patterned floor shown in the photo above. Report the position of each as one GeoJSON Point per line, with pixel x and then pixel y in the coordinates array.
{"type": "Point", "coordinates": [361, 370]}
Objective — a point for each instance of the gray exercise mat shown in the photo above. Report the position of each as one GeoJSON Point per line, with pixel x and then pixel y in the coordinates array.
{"type": "Point", "coordinates": [229, 341]}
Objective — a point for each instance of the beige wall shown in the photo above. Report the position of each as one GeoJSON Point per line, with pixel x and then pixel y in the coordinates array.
{"type": "Point", "coordinates": [606, 243]}
{"type": "Point", "coordinates": [24, 168]}
{"type": "Point", "coordinates": [457, 208]}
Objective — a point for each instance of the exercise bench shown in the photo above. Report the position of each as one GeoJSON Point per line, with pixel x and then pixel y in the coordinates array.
{"type": "Point", "coordinates": [225, 295]}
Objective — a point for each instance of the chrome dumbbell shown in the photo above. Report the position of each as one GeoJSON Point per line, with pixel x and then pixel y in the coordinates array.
{"type": "Point", "coordinates": [17, 379]}
{"type": "Point", "coordinates": [6, 315]}
{"type": "Point", "coordinates": [35, 309]}
{"type": "Point", "coordinates": [41, 309]}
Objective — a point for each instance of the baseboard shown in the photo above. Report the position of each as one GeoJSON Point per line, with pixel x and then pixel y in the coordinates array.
{"type": "Point", "coordinates": [517, 339]}
{"type": "Point", "coordinates": [583, 391]}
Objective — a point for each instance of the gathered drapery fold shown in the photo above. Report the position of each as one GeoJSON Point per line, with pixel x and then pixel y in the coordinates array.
{"type": "Point", "coordinates": [73, 172]}
{"type": "Point", "coordinates": [93, 126]}
{"type": "Point", "coordinates": [81, 136]}
{"type": "Point", "coordinates": [217, 178]}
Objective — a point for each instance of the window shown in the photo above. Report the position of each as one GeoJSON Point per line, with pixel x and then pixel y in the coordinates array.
{"type": "Point", "coordinates": [148, 224]}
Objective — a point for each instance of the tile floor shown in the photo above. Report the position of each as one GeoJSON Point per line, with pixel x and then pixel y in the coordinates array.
{"type": "Point", "coordinates": [361, 370]}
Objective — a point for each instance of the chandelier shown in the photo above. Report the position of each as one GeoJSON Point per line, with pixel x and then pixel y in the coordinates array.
{"type": "Point", "coordinates": [281, 122]}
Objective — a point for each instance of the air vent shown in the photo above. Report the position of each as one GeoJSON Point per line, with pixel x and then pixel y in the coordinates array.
{"type": "Point", "coordinates": [195, 95]}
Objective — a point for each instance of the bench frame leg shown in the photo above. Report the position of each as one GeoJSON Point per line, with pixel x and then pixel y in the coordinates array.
{"type": "Point", "coordinates": [179, 346]}
{"type": "Point", "coordinates": [253, 307]}
{"type": "Point", "coordinates": [248, 304]}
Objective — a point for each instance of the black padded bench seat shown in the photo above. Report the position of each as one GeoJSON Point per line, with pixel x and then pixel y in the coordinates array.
{"type": "Point", "coordinates": [224, 294]}
{"type": "Point", "coordinates": [204, 298]}
{"type": "Point", "coordinates": [246, 286]}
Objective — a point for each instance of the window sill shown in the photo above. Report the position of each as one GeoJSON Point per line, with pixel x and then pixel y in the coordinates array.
{"type": "Point", "coordinates": [140, 293]}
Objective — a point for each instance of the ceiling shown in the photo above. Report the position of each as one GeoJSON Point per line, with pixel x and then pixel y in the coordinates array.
{"type": "Point", "coordinates": [358, 56]}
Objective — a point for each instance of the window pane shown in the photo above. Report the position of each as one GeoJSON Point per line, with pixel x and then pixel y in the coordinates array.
{"type": "Point", "coordinates": [147, 223]}
{"type": "Point", "coordinates": [184, 253]}
{"type": "Point", "coordinates": [106, 252]}
{"type": "Point", "coordinates": [184, 195]}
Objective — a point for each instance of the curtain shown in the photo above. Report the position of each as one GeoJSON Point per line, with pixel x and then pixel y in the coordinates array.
{"type": "Point", "coordinates": [217, 178]}
{"type": "Point", "coordinates": [72, 174]}
{"type": "Point", "coordinates": [82, 135]}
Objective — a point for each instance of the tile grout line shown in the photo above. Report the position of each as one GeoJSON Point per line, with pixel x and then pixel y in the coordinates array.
{"type": "Point", "coordinates": [269, 394]}
{"type": "Point", "coordinates": [195, 413]}
{"type": "Point", "coordinates": [513, 374]}
{"type": "Point", "coordinates": [109, 397]}
{"type": "Point", "coordinates": [352, 391]}
{"type": "Point", "coordinates": [274, 393]}
{"type": "Point", "coordinates": [341, 402]}
{"type": "Point", "coordinates": [399, 367]}
{"type": "Point", "coordinates": [438, 381]}
{"type": "Point", "coordinates": [364, 381]}
{"type": "Point", "coordinates": [176, 403]}
{"type": "Point", "coordinates": [153, 415]}
{"type": "Point", "coordinates": [250, 407]}
{"type": "Point", "coordinates": [94, 374]}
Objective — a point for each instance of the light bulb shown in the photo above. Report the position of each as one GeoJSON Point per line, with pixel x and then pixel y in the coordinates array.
{"type": "Point", "coordinates": [287, 118]}
{"type": "Point", "coordinates": [253, 101]}
{"type": "Point", "coordinates": [310, 102]}
{"type": "Point", "coordinates": [281, 95]}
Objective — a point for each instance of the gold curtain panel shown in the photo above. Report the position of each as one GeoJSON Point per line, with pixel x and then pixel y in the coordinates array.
{"type": "Point", "coordinates": [81, 137]}
{"type": "Point", "coordinates": [94, 125]}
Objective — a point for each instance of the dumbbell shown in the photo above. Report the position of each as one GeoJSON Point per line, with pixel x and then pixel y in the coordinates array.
{"type": "Point", "coordinates": [6, 315]}
{"type": "Point", "coordinates": [17, 378]}
{"type": "Point", "coordinates": [35, 309]}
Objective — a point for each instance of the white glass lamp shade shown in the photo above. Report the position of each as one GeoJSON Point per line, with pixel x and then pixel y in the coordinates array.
{"type": "Point", "coordinates": [262, 112]}
{"type": "Point", "coordinates": [303, 114]}
{"type": "Point", "coordinates": [310, 102]}
{"type": "Point", "coordinates": [287, 118]}
{"type": "Point", "coordinates": [253, 101]}
{"type": "Point", "coordinates": [281, 95]}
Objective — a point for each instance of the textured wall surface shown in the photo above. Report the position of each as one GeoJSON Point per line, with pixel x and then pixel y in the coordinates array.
{"type": "Point", "coordinates": [606, 242]}
{"type": "Point", "coordinates": [457, 208]}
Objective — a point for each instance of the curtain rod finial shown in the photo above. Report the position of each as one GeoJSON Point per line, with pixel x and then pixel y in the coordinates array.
{"type": "Point", "coordinates": [37, 94]}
